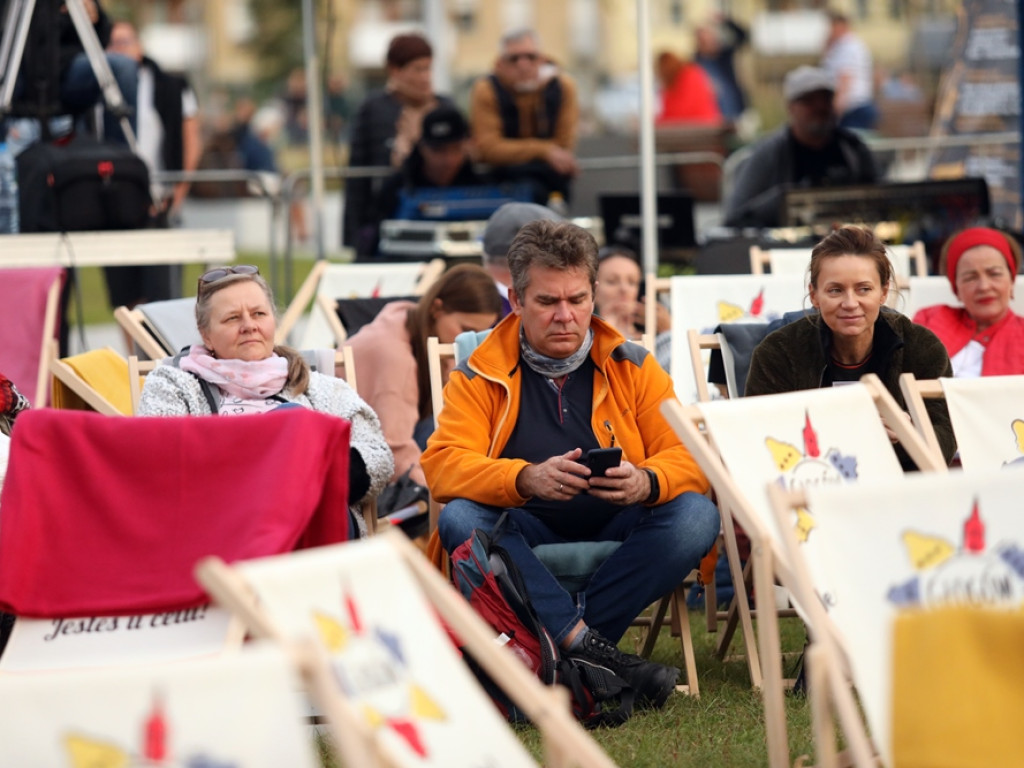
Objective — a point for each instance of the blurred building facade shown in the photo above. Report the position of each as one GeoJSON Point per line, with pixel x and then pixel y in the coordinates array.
{"type": "Point", "coordinates": [594, 40]}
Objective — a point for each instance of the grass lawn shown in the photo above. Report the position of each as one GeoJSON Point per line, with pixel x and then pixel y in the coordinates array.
{"type": "Point", "coordinates": [724, 728]}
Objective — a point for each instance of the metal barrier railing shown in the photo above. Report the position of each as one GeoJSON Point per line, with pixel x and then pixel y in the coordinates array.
{"type": "Point", "coordinates": [281, 191]}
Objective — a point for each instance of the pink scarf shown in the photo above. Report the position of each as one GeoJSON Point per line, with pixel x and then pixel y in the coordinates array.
{"type": "Point", "coordinates": [240, 378]}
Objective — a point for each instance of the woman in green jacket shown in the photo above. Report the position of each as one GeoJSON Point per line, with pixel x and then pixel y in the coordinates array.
{"type": "Point", "coordinates": [852, 333]}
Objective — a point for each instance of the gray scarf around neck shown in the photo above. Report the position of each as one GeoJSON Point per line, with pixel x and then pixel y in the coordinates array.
{"type": "Point", "coordinates": [552, 367]}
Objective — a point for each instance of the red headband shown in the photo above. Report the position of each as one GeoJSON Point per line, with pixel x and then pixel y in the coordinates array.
{"type": "Point", "coordinates": [972, 238]}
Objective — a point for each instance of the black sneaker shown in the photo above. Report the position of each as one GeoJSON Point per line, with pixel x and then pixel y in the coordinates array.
{"type": "Point", "coordinates": [652, 682]}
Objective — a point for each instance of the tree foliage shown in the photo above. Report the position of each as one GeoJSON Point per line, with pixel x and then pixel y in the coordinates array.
{"type": "Point", "coordinates": [276, 42]}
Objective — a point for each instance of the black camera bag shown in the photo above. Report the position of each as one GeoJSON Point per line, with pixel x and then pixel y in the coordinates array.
{"type": "Point", "coordinates": [82, 185]}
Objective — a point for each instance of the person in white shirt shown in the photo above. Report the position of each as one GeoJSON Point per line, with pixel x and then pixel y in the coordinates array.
{"type": "Point", "coordinates": [848, 60]}
{"type": "Point", "coordinates": [167, 132]}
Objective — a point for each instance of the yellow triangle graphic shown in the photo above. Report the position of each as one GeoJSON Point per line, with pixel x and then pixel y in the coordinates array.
{"type": "Point", "coordinates": [89, 753]}
{"type": "Point", "coordinates": [926, 551]}
{"type": "Point", "coordinates": [332, 634]}
{"type": "Point", "coordinates": [423, 705]}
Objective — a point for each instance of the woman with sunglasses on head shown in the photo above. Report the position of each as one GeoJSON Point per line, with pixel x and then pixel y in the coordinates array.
{"type": "Point", "coordinates": [983, 337]}
{"type": "Point", "coordinates": [238, 370]}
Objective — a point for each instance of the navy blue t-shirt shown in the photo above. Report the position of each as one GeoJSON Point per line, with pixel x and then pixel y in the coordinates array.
{"type": "Point", "coordinates": [553, 420]}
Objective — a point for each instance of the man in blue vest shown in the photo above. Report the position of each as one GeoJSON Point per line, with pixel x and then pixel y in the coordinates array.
{"type": "Point", "coordinates": [524, 119]}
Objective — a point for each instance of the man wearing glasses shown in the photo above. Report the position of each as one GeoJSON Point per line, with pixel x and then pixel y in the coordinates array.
{"type": "Point", "coordinates": [524, 118]}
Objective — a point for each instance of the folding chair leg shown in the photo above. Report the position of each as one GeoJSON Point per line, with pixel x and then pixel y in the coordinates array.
{"type": "Point", "coordinates": [771, 658]}
{"type": "Point", "coordinates": [822, 724]}
{"type": "Point", "coordinates": [740, 607]}
{"type": "Point", "coordinates": [680, 610]}
{"type": "Point", "coordinates": [657, 621]}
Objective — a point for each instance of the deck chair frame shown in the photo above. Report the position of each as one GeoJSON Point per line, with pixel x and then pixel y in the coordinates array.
{"type": "Point", "coordinates": [566, 743]}
{"type": "Point", "coordinates": [917, 259]}
{"type": "Point", "coordinates": [829, 683]}
{"type": "Point", "coordinates": [766, 563]}
{"type": "Point", "coordinates": [311, 291]}
{"type": "Point", "coordinates": [90, 397]}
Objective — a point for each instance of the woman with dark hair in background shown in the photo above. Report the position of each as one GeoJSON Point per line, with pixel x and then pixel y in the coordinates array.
{"type": "Point", "coordinates": [852, 333]}
{"type": "Point", "coordinates": [391, 356]}
{"type": "Point", "coordinates": [384, 131]}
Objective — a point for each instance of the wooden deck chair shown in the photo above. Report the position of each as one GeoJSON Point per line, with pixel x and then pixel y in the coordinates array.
{"type": "Point", "coordinates": [932, 542]}
{"type": "Point", "coordinates": [114, 528]}
{"type": "Point", "coordinates": [29, 313]}
{"type": "Point", "coordinates": [794, 438]}
{"type": "Point", "coordinates": [654, 287]}
{"type": "Point", "coordinates": [567, 561]}
{"type": "Point", "coordinates": [928, 291]}
{"type": "Point", "coordinates": [702, 302]}
{"type": "Point", "coordinates": [93, 381]}
{"type": "Point", "coordinates": [986, 413]}
{"type": "Point", "coordinates": [244, 709]}
{"type": "Point", "coordinates": [334, 281]}
{"type": "Point", "coordinates": [160, 328]}
{"type": "Point", "coordinates": [907, 260]}
{"type": "Point", "coordinates": [373, 605]}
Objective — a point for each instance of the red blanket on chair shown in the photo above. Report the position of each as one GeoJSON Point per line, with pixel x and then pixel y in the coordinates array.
{"type": "Point", "coordinates": [108, 516]}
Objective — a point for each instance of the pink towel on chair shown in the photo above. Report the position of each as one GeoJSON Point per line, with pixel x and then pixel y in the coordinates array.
{"type": "Point", "coordinates": [23, 294]}
{"type": "Point", "coordinates": [108, 516]}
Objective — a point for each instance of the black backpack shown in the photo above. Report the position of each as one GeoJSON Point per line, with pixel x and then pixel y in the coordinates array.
{"type": "Point", "coordinates": [490, 580]}
{"type": "Point", "coordinates": [82, 185]}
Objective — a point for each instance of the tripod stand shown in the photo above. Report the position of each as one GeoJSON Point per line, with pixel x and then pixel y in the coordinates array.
{"type": "Point", "coordinates": [17, 23]}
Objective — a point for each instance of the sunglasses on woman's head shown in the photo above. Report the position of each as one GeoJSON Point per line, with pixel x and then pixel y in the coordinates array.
{"type": "Point", "coordinates": [213, 275]}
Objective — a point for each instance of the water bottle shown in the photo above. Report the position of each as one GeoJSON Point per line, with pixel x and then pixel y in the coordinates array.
{"type": "Point", "coordinates": [556, 202]}
{"type": "Point", "coordinates": [8, 192]}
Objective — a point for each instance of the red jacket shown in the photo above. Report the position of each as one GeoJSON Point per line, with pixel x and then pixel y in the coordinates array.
{"type": "Point", "coordinates": [1003, 342]}
{"type": "Point", "coordinates": [690, 98]}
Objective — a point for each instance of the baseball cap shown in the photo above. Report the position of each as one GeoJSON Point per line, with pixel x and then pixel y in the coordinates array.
{"type": "Point", "coordinates": [444, 125]}
{"type": "Point", "coordinates": [505, 223]}
{"type": "Point", "coordinates": [806, 79]}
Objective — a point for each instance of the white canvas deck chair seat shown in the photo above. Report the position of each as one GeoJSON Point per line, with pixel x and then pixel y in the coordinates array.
{"type": "Point", "coordinates": [328, 282]}
{"type": "Point", "coordinates": [907, 260]}
{"type": "Point", "coordinates": [572, 564]}
{"type": "Point", "coordinates": [702, 302]}
{"type": "Point", "coordinates": [97, 549]}
{"type": "Point", "coordinates": [826, 436]}
{"type": "Point", "coordinates": [394, 686]}
{"type": "Point", "coordinates": [242, 709]}
{"type": "Point", "coordinates": [161, 328]}
{"type": "Point", "coordinates": [930, 542]}
{"type": "Point", "coordinates": [29, 314]}
{"type": "Point", "coordinates": [986, 413]}
{"type": "Point", "coordinates": [935, 289]}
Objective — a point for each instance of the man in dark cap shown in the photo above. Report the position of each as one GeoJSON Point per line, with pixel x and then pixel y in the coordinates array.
{"type": "Point", "coordinates": [811, 150]}
{"type": "Point", "coordinates": [439, 159]}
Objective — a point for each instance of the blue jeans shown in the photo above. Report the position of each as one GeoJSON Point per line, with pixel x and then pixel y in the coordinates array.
{"type": "Point", "coordinates": [79, 90]}
{"type": "Point", "coordinates": [660, 546]}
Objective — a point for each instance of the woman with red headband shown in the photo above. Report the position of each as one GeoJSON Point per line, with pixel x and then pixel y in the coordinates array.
{"type": "Point", "coordinates": [983, 337]}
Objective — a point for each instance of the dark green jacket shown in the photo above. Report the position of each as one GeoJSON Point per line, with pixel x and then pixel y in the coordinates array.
{"type": "Point", "coordinates": [794, 357]}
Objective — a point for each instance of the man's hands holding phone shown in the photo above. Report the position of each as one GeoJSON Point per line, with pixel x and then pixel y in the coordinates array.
{"type": "Point", "coordinates": [562, 477]}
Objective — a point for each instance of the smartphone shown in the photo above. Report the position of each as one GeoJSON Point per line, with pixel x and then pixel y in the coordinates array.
{"type": "Point", "coordinates": [600, 459]}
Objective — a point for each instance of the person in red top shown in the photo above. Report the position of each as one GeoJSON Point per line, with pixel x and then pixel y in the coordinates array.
{"type": "Point", "coordinates": [983, 337]}
{"type": "Point", "coordinates": [687, 95]}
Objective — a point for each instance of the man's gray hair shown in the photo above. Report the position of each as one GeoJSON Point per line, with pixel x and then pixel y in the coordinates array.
{"type": "Point", "coordinates": [552, 245]}
{"type": "Point", "coordinates": [515, 35]}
